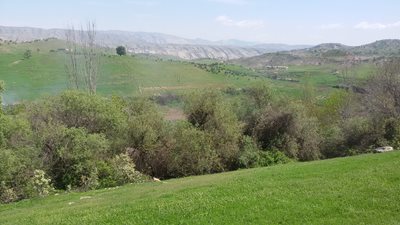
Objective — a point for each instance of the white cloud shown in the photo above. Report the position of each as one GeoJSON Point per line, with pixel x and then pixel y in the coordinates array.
{"type": "Point", "coordinates": [374, 26]}
{"type": "Point", "coordinates": [232, 2]}
{"type": "Point", "coordinates": [332, 26]}
{"type": "Point", "coordinates": [226, 21]}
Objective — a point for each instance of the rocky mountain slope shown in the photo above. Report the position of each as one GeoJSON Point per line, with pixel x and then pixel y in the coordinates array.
{"type": "Point", "coordinates": [156, 43]}
{"type": "Point", "coordinates": [326, 54]}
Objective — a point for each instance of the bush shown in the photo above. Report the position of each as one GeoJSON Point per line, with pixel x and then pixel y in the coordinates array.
{"type": "Point", "coordinates": [15, 132]}
{"type": "Point", "coordinates": [290, 130]}
{"type": "Point", "coordinates": [208, 112]}
{"type": "Point", "coordinates": [40, 184]}
{"type": "Point", "coordinates": [124, 170]}
{"type": "Point", "coordinates": [392, 132]}
{"type": "Point", "coordinates": [27, 54]}
{"type": "Point", "coordinates": [7, 195]}
{"type": "Point", "coordinates": [249, 156]}
{"type": "Point", "coordinates": [359, 133]}
{"type": "Point", "coordinates": [145, 134]}
{"type": "Point", "coordinates": [71, 155]}
{"type": "Point", "coordinates": [79, 110]}
{"type": "Point", "coordinates": [16, 169]}
{"type": "Point", "coordinates": [9, 164]}
{"type": "Point", "coordinates": [88, 173]}
{"type": "Point", "coordinates": [192, 152]}
{"type": "Point", "coordinates": [272, 157]}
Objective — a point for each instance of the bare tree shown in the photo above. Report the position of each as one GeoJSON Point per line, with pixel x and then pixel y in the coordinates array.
{"type": "Point", "coordinates": [83, 58]}
{"type": "Point", "coordinates": [346, 69]}
{"type": "Point", "coordinates": [383, 96]}
{"type": "Point", "coordinates": [71, 66]}
{"type": "Point", "coordinates": [90, 55]}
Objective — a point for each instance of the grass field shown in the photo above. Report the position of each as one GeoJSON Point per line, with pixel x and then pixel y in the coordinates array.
{"type": "Point", "coordinates": [355, 190]}
{"type": "Point", "coordinates": [44, 74]}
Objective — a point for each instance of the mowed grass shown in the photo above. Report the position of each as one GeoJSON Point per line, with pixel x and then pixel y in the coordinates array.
{"type": "Point", "coordinates": [355, 190]}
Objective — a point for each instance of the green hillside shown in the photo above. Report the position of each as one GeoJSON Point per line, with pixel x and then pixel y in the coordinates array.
{"type": "Point", "coordinates": [356, 190]}
{"type": "Point", "coordinates": [44, 74]}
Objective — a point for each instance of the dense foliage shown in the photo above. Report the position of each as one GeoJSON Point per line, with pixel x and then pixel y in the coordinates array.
{"type": "Point", "coordinates": [80, 141]}
{"type": "Point", "coordinates": [121, 50]}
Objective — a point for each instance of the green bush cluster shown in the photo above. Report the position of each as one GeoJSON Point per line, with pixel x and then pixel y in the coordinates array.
{"type": "Point", "coordinates": [80, 141]}
{"type": "Point", "coordinates": [73, 140]}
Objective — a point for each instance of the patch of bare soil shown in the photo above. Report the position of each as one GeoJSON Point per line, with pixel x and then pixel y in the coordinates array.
{"type": "Point", "coordinates": [174, 114]}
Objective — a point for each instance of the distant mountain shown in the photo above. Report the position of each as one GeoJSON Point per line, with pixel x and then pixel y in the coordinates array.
{"type": "Point", "coordinates": [156, 43]}
{"type": "Point", "coordinates": [389, 47]}
{"type": "Point", "coordinates": [325, 53]}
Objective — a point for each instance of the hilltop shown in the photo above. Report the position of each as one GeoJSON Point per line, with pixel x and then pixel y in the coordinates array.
{"type": "Point", "coordinates": [156, 43]}
{"type": "Point", "coordinates": [329, 53]}
{"type": "Point", "coordinates": [356, 190]}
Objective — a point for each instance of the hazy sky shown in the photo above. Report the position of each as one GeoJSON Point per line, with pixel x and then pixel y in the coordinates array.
{"type": "Point", "coordinates": [350, 22]}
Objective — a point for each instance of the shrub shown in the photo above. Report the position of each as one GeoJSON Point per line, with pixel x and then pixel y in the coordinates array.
{"type": "Point", "coordinates": [71, 154]}
{"type": "Point", "coordinates": [9, 164]}
{"type": "Point", "coordinates": [144, 134]}
{"type": "Point", "coordinates": [79, 110]}
{"type": "Point", "coordinates": [144, 124]}
{"type": "Point", "coordinates": [249, 153]}
{"type": "Point", "coordinates": [125, 171]}
{"type": "Point", "coordinates": [289, 129]}
{"type": "Point", "coordinates": [88, 177]}
{"type": "Point", "coordinates": [16, 169]}
{"type": "Point", "coordinates": [40, 184]}
{"type": "Point", "coordinates": [192, 152]}
{"type": "Point", "coordinates": [208, 112]}
{"type": "Point", "coordinates": [392, 132]}
{"type": "Point", "coordinates": [15, 131]}
{"type": "Point", "coordinates": [359, 132]}
{"type": "Point", "coordinates": [7, 194]}
{"type": "Point", "coordinates": [27, 54]}
{"type": "Point", "coordinates": [272, 157]}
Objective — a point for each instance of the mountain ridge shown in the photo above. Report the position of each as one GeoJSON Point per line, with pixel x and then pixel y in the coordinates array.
{"type": "Point", "coordinates": [326, 53]}
{"type": "Point", "coordinates": [156, 43]}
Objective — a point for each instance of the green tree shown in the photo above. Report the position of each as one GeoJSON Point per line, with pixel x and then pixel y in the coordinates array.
{"type": "Point", "coordinates": [192, 153]}
{"type": "Point", "coordinates": [79, 109]}
{"type": "Point", "coordinates": [145, 134]}
{"type": "Point", "coordinates": [27, 54]}
{"type": "Point", "coordinates": [71, 156]}
{"type": "Point", "coordinates": [289, 129]}
{"type": "Point", "coordinates": [121, 50]}
{"type": "Point", "coordinates": [209, 112]}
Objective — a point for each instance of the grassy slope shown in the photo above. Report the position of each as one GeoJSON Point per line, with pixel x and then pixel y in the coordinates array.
{"type": "Point", "coordinates": [44, 73]}
{"type": "Point", "coordinates": [356, 190]}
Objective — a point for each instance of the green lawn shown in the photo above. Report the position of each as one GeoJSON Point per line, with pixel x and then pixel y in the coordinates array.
{"type": "Point", "coordinates": [355, 190]}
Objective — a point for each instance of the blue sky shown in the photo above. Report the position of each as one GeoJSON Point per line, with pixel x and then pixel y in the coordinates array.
{"type": "Point", "coordinates": [350, 22]}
